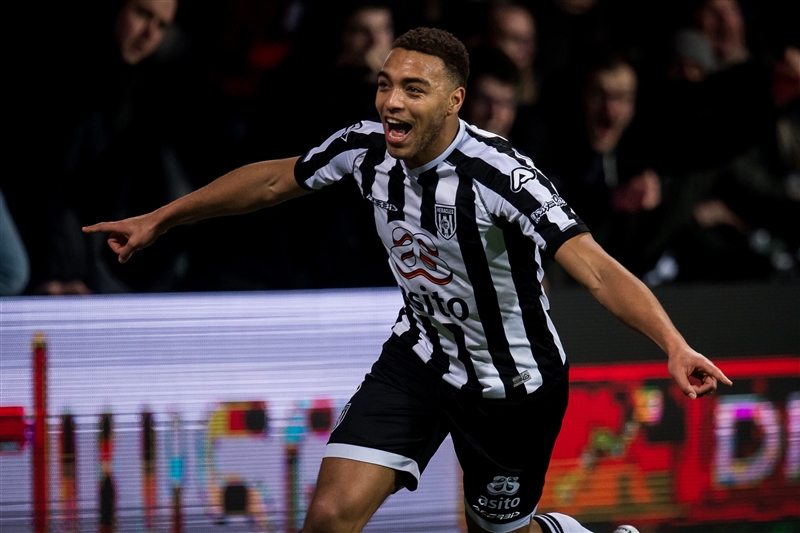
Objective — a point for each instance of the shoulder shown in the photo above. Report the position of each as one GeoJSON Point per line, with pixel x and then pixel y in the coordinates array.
{"type": "Point", "coordinates": [492, 161]}
{"type": "Point", "coordinates": [340, 150]}
{"type": "Point", "coordinates": [364, 134]}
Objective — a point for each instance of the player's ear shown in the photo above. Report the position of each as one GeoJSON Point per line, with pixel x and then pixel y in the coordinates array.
{"type": "Point", "coordinates": [456, 101]}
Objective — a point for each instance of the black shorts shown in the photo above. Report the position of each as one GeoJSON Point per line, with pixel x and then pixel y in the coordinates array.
{"type": "Point", "coordinates": [403, 410]}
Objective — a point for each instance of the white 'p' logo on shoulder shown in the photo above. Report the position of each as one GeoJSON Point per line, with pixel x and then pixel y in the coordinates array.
{"type": "Point", "coordinates": [519, 176]}
{"type": "Point", "coordinates": [347, 130]}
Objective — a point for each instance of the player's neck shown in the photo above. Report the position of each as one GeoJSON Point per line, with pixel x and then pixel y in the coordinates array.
{"type": "Point", "coordinates": [438, 146]}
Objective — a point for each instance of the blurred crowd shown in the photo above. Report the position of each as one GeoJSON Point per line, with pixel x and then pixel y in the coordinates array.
{"type": "Point", "coordinates": [672, 127]}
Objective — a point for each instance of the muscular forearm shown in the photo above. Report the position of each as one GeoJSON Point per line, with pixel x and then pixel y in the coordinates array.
{"type": "Point", "coordinates": [634, 304]}
{"type": "Point", "coordinates": [243, 190]}
{"type": "Point", "coordinates": [618, 290]}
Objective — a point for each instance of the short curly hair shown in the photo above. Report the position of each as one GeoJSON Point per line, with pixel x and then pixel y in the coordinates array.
{"type": "Point", "coordinates": [442, 44]}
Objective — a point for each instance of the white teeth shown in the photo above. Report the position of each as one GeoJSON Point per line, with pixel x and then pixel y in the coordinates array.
{"type": "Point", "coordinates": [393, 121]}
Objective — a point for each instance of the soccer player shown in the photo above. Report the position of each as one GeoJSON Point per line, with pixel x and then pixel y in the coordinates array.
{"type": "Point", "coordinates": [465, 219]}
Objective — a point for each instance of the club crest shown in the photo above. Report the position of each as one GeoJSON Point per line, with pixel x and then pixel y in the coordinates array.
{"type": "Point", "coordinates": [446, 220]}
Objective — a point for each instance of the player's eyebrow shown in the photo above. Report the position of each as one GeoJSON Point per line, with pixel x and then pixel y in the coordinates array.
{"type": "Point", "coordinates": [406, 81]}
{"type": "Point", "coordinates": [421, 81]}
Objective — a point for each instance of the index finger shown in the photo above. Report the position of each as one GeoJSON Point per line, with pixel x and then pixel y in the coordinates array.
{"type": "Point", "coordinates": [99, 227]}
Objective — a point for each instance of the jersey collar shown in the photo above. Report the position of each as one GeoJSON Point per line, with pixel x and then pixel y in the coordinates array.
{"type": "Point", "coordinates": [414, 172]}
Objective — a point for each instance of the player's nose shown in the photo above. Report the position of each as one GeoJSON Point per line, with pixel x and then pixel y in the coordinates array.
{"type": "Point", "coordinates": [395, 99]}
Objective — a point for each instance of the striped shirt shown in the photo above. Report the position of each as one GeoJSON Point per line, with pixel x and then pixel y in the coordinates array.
{"type": "Point", "coordinates": [464, 234]}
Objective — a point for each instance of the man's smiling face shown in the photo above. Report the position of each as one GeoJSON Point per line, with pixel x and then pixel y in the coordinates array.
{"type": "Point", "coordinates": [418, 102]}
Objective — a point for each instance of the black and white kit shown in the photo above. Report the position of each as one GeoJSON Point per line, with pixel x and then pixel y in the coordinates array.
{"type": "Point", "coordinates": [473, 352]}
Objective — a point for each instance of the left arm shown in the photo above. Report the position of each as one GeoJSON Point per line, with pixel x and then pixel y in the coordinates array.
{"type": "Point", "coordinates": [634, 304]}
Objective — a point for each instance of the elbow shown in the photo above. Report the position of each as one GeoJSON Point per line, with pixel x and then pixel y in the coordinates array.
{"type": "Point", "coordinates": [268, 199]}
{"type": "Point", "coordinates": [602, 276]}
{"type": "Point", "coordinates": [278, 192]}
{"type": "Point", "coordinates": [280, 184]}
{"type": "Point", "coordinates": [594, 281]}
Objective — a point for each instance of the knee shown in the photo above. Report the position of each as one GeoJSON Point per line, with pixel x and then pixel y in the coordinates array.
{"type": "Point", "coordinates": [347, 494]}
{"type": "Point", "coordinates": [326, 515]}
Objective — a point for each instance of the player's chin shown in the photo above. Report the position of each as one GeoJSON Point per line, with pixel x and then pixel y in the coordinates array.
{"type": "Point", "coordinates": [398, 151]}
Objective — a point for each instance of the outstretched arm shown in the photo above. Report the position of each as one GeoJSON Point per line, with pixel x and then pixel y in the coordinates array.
{"type": "Point", "coordinates": [243, 190]}
{"type": "Point", "coordinates": [634, 304]}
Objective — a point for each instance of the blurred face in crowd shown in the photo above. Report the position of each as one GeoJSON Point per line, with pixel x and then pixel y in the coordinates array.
{"type": "Point", "coordinates": [513, 31]}
{"type": "Point", "coordinates": [418, 102]}
{"type": "Point", "coordinates": [722, 22]}
{"type": "Point", "coordinates": [367, 38]}
{"type": "Point", "coordinates": [491, 105]}
{"type": "Point", "coordinates": [140, 27]}
{"type": "Point", "coordinates": [692, 57]}
{"type": "Point", "coordinates": [575, 7]}
{"type": "Point", "coordinates": [609, 105]}
{"type": "Point", "coordinates": [686, 69]}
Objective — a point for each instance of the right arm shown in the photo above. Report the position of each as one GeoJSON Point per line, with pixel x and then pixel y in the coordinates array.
{"type": "Point", "coordinates": [243, 190]}
{"type": "Point", "coordinates": [632, 302]}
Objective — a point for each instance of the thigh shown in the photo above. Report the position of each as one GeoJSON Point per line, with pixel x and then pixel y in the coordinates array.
{"type": "Point", "coordinates": [504, 448]}
{"type": "Point", "coordinates": [394, 419]}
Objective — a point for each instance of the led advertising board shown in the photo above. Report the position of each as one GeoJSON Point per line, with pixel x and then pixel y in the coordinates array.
{"type": "Point", "coordinates": [210, 412]}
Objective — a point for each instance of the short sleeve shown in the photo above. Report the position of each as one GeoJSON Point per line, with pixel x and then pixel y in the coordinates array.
{"type": "Point", "coordinates": [527, 198]}
{"type": "Point", "coordinates": [337, 156]}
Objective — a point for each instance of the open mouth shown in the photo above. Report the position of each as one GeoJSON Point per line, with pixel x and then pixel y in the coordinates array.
{"type": "Point", "coordinates": [396, 130]}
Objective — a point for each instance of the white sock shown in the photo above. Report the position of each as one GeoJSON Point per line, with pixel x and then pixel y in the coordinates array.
{"type": "Point", "coordinates": [559, 523]}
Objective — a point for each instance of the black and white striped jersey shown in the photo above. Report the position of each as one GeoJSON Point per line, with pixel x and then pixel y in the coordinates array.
{"type": "Point", "coordinates": [464, 234]}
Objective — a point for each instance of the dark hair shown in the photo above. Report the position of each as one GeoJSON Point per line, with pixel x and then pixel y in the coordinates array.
{"type": "Point", "coordinates": [604, 59]}
{"type": "Point", "coordinates": [439, 43]}
{"type": "Point", "coordinates": [491, 61]}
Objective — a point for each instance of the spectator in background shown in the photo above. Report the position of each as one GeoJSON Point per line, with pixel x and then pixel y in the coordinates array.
{"type": "Point", "coordinates": [600, 167]}
{"type": "Point", "coordinates": [335, 57]}
{"type": "Point", "coordinates": [512, 29]}
{"type": "Point", "coordinates": [492, 101]}
{"type": "Point", "coordinates": [721, 21]}
{"type": "Point", "coordinates": [717, 110]}
{"type": "Point", "coordinates": [786, 94]}
{"type": "Point", "coordinates": [713, 125]}
{"type": "Point", "coordinates": [737, 112]}
{"type": "Point", "coordinates": [139, 28]}
{"type": "Point", "coordinates": [364, 36]}
{"type": "Point", "coordinates": [346, 42]}
{"type": "Point", "coordinates": [120, 122]}
{"type": "Point", "coordinates": [366, 39]}
{"type": "Point", "coordinates": [568, 32]}
{"type": "Point", "coordinates": [14, 264]}
{"type": "Point", "coordinates": [691, 57]}
{"type": "Point", "coordinates": [784, 46]}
